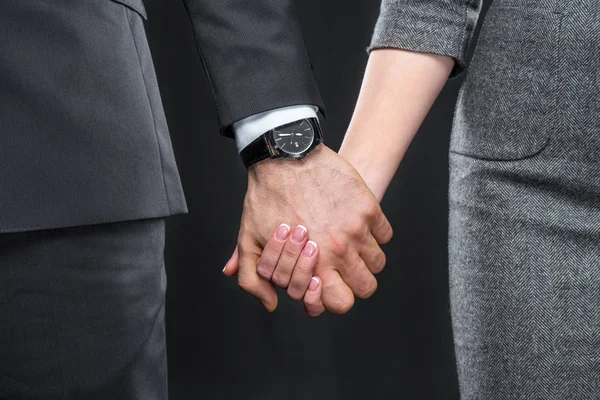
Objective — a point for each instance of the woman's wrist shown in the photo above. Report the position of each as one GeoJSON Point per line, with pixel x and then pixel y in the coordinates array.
{"type": "Point", "coordinates": [398, 90]}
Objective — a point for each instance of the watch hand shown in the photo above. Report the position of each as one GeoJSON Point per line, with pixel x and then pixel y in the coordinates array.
{"type": "Point", "coordinates": [284, 134]}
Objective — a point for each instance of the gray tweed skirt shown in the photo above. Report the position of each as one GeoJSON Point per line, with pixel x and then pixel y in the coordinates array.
{"type": "Point", "coordinates": [524, 239]}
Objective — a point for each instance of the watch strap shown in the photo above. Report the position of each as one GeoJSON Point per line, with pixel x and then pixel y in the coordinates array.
{"type": "Point", "coordinates": [256, 151]}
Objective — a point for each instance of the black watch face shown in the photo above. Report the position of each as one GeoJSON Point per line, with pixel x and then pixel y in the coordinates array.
{"type": "Point", "coordinates": [294, 138]}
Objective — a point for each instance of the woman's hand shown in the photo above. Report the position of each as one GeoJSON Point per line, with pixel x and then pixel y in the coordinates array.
{"type": "Point", "coordinates": [289, 260]}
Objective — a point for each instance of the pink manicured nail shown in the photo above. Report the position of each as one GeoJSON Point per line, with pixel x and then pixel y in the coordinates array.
{"type": "Point", "coordinates": [314, 284]}
{"type": "Point", "coordinates": [299, 234]}
{"type": "Point", "coordinates": [282, 232]}
{"type": "Point", "coordinates": [309, 249]}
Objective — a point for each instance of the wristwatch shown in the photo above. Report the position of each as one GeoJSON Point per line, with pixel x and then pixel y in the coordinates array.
{"type": "Point", "coordinates": [294, 140]}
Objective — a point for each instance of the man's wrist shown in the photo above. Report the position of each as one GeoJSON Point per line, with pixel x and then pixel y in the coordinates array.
{"type": "Point", "coordinates": [292, 140]}
{"type": "Point", "coordinates": [249, 129]}
{"type": "Point", "coordinates": [270, 166]}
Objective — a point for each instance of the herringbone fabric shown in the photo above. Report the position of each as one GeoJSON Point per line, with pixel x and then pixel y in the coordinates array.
{"type": "Point", "coordinates": [524, 239]}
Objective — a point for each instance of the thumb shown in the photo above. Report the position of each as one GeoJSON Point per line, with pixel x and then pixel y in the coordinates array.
{"type": "Point", "coordinates": [251, 282]}
{"type": "Point", "coordinates": [232, 266]}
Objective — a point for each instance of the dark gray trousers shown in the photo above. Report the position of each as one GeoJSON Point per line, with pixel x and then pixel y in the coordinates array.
{"type": "Point", "coordinates": [82, 312]}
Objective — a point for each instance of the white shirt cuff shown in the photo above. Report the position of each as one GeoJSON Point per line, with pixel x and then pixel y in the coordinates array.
{"type": "Point", "coordinates": [249, 128]}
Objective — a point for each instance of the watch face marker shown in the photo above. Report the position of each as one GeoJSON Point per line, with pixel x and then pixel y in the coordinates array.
{"type": "Point", "coordinates": [294, 138]}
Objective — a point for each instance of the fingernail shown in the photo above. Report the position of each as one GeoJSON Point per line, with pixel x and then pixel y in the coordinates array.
{"type": "Point", "coordinates": [282, 232]}
{"type": "Point", "coordinates": [224, 269]}
{"type": "Point", "coordinates": [299, 234]}
{"type": "Point", "coordinates": [314, 284]}
{"type": "Point", "coordinates": [309, 249]}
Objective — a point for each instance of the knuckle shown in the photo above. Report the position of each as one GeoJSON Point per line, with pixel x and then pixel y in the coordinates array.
{"type": "Point", "coordinates": [280, 280]}
{"type": "Point", "coordinates": [342, 307]}
{"type": "Point", "coordinates": [339, 304]}
{"type": "Point", "coordinates": [290, 252]}
{"type": "Point", "coordinates": [303, 269]}
{"type": "Point", "coordinates": [264, 271]}
{"type": "Point", "coordinates": [372, 209]}
{"type": "Point", "coordinates": [314, 311]}
{"type": "Point", "coordinates": [263, 262]}
{"type": "Point", "coordinates": [295, 292]}
{"type": "Point", "coordinates": [246, 284]}
{"type": "Point", "coordinates": [265, 265]}
{"type": "Point", "coordinates": [339, 246]}
{"type": "Point", "coordinates": [356, 227]}
{"type": "Point", "coordinates": [388, 235]}
{"type": "Point", "coordinates": [366, 288]}
{"type": "Point", "coordinates": [271, 251]}
{"type": "Point", "coordinates": [380, 262]}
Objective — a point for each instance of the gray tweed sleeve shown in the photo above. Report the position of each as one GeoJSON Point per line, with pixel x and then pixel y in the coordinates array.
{"type": "Point", "coordinates": [442, 27]}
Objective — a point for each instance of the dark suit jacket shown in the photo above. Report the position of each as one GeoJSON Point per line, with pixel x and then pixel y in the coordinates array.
{"type": "Point", "coordinates": [83, 135]}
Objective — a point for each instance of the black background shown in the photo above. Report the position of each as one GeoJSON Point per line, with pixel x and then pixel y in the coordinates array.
{"type": "Point", "coordinates": [221, 344]}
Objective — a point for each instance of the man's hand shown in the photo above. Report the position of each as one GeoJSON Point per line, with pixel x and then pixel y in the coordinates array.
{"type": "Point", "coordinates": [326, 194]}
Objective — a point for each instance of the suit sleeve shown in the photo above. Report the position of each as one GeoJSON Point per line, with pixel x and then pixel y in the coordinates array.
{"type": "Point", "coordinates": [254, 56]}
{"type": "Point", "coordinates": [443, 27]}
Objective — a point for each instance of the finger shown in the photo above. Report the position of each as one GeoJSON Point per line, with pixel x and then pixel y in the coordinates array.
{"type": "Point", "coordinates": [380, 226]}
{"type": "Point", "coordinates": [303, 271]}
{"type": "Point", "coordinates": [272, 251]}
{"type": "Point", "coordinates": [373, 256]}
{"type": "Point", "coordinates": [358, 277]}
{"type": "Point", "coordinates": [337, 296]}
{"type": "Point", "coordinates": [289, 256]}
{"type": "Point", "coordinates": [231, 268]}
{"type": "Point", "coordinates": [248, 278]}
{"type": "Point", "coordinates": [312, 299]}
